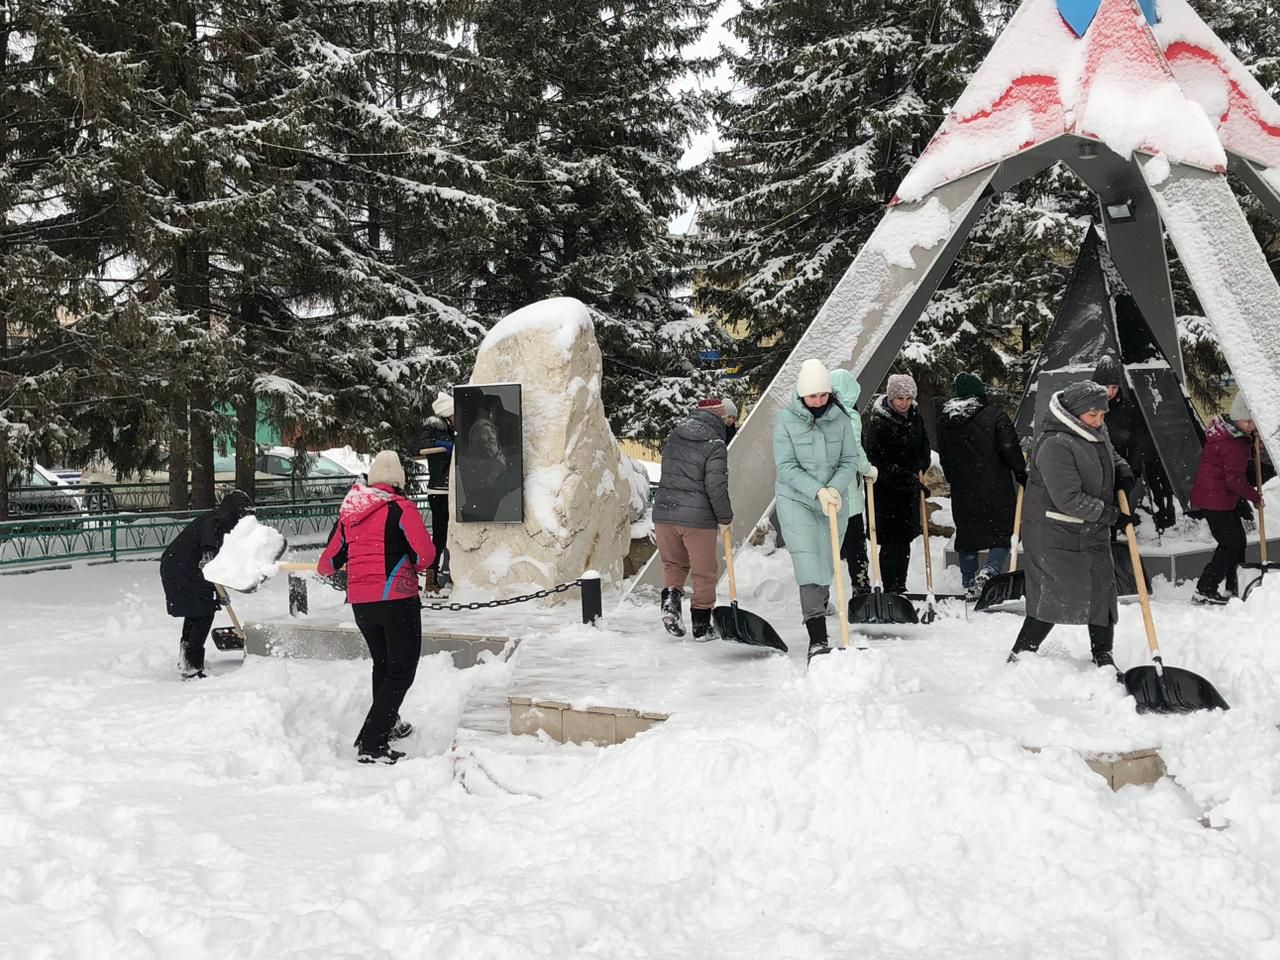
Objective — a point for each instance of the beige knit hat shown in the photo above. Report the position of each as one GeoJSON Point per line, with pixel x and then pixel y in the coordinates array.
{"type": "Point", "coordinates": [386, 469]}
{"type": "Point", "coordinates": [1240, 409]}
{"type": "Point", "coordinates": [814, 378]}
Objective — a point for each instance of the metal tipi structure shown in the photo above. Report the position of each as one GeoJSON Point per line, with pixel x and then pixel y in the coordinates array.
{"type": "Point", "coordinates": [1151, 110]}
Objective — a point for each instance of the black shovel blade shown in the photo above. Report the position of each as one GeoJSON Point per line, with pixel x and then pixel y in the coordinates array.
{"type": "Point", "coordinates": [1126, 581]}
{"type": "Point", "coordinates": [1177, 691]}
{"type": "Point", "coordinates": [880, 607]}
{"type": "Point", "coordinates": [1002, 588]}
{"type": "Point", "coordinates": [740, 626]}
{"type": "Point", "coordinates": [226, 638]}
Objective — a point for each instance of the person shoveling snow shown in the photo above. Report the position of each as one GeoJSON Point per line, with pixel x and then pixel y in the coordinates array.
{"type": "Point", "coordinates": [187, 593]}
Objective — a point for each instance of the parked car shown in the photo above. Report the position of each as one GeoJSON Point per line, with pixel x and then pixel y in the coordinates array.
{"type": "Point", "coordinates": [323, 478]}
{"type": "Point", "coordinates": [147, 490]}
{"type": "Point", "coordinates": [40, 493]}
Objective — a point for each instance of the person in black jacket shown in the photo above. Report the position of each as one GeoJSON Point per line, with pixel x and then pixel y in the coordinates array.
{"type": "Point", "coordinates": [981, 457]}
{"type": "Point", "coordinates": [899, 449]}
{"type": "Point", "coordinates": [1134, 444]}
{"type": "Point", "coordinates": [187, 593]}
{"type": "Point", "coordinates": [438, 433]}
{"type": "Point", "coordinates": [691, 502]}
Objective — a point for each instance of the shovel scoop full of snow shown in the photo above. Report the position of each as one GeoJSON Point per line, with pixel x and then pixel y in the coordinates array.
{"type": "Point", "coordinates": [248, 556]}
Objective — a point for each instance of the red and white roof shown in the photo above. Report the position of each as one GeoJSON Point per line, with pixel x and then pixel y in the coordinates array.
{"type": "Point", "coordinates": [1176, 92]}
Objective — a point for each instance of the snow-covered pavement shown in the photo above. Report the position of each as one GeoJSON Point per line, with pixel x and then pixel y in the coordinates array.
{"type": "Point", "coordinates": [882, 807]}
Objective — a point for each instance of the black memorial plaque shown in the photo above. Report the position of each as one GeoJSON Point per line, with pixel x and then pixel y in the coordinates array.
{"type": "Point", "coordinates": [489, 454]}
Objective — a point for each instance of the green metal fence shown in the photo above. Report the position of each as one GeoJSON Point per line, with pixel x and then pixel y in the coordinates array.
{"type": "Point", "coordinates": [31, 544]}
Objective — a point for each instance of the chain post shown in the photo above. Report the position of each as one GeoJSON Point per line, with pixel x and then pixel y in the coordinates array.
{"type": "Point", "coordinates": [592, 604]}
{"type": "Point", "coordinates": [297, 595]}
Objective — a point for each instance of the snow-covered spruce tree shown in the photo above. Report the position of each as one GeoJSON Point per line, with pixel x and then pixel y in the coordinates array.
{"type": "Point", "coordinates": [46, 249]}
{"type": "Point", "coordinates": [569, 104]}
{"type": "Point", "coordinates": [833, 103]}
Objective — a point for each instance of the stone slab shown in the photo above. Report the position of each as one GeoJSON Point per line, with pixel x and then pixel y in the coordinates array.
{"type": "Point", "coordinates": [603, 726]}
{"type": "Point", "coordinates": [332, 640]}
{"type": "Point", "coordinates": [1124, 769]}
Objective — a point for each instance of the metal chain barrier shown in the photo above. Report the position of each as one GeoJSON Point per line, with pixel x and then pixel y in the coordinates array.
{"type": "Point", "coordinates": [484, 604]}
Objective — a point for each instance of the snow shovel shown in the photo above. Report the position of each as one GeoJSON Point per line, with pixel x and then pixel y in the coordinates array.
{"type": "Point", "coordinates": [878, 606]}
{"type": "Point", "coordinates": [1157, 688]}
{"type": "Point", "coordinates": [228, 638]}
{"type": "Point", "coordinates": [1263, 566]}
{"type": "Point", "coordinates": [838, 575]}
{"type": "Point", "coordinates": [1007, 587]}
{"type": "Point", "coordinates": [263, 577]}
{"type": "Point", "coordinates": [929, 613]}
{"type": "Point", "coordinates": [733, 623]}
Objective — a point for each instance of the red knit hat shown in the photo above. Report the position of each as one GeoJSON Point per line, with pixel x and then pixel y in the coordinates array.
{"type": "Point", "coordinates": [710, 403]}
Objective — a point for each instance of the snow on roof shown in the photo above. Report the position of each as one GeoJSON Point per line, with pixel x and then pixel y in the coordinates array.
{"type": "Point", "coordinates": [1040, 82]}
{"type": "Point", "coordinates": [1246, 117]}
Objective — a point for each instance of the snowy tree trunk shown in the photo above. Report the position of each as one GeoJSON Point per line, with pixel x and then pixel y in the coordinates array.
{"type": "Point", "coordinates": [202, 493]}
{"type": "Point", "coordinates": [4, 478]}
{"type": "Point", "coordinates": [178, 453]}
{"type": "Point", "coordinates": [246, 448]}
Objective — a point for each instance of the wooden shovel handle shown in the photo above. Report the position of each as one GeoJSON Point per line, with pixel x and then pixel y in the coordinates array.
{"type": "Point", "coordinates": [1017, 532]}
{"type": "Point", "coordinates": [1138, 575]}
{"type": "Point", "coordinates": [841, 607]}
{"type": "Point", "coordinates": [924, 533]}
{"type": "Point", "coordinates": [727, 536]}
{"type": "Point", "coordinates": [871, 530]}
{"type": "Point", "coordinates": [1262, 510]}
{"type": "Point", "coordinates": [294, 567]}
{"type": "Point", "coordinates": [431, 451]}
{"type": "Point", "coordinates": [226, 602]}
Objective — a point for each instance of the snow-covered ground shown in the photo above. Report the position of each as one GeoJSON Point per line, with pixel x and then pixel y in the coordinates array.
{"type": "Point", "coordinates": [881, 807]}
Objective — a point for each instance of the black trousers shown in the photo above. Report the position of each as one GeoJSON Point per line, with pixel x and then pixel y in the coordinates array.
{"type": "Point", "coordinates": [1228, 530]}
{"type": "Point", "coordinates": [894, 560]}
{"type": "Point", "coordinates": [439, 507]}
{"type": "Point", "coordinates": [393, 631]}
{"type": "Point", "coordinates": [854, 550]}
{"type": "Point", "coordinates": [195, 631]}
{"type": "Point", "coordinates": [1034, 631]}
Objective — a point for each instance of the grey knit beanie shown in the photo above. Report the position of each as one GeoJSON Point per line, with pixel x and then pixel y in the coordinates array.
{"type": "Point", "coordinates": [1083, 396]}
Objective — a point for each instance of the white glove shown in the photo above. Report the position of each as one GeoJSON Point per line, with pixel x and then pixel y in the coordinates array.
{"type": "Point", "coordinates": [871, 474]}
{"type": "Point", "coordinates": [830, 498]}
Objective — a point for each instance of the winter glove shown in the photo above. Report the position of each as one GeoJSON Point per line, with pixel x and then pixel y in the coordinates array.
{"type": "Point", "coordinates": [1021, 477]}
{"type": "Point", "coordinates": [1125, 520]}
{"type": "Point", "coordinates": [830, 498]}
{"type": "Point", "coordinates": [447, 444]}
{"type": "Point", "coordinates": [206, 558]}
{"type": "Point", "coordinates": [1125, 480]}
{"type": "Point", "coordinates": [871, 474]}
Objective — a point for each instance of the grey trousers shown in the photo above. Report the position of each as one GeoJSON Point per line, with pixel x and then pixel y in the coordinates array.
{"type": "Point", "coordinates": [813, 600]}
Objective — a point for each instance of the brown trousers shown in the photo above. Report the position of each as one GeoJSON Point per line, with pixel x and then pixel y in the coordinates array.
{"type": "Point", "coordinates": [685, 548]}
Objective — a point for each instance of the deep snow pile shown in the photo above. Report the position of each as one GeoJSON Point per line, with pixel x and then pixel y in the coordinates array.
{"type": "Point", "coordinates": [881, 807]}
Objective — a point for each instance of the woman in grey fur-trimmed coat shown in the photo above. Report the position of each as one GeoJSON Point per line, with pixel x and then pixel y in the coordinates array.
{"type": "Point", "coordinates": [1069, 511]}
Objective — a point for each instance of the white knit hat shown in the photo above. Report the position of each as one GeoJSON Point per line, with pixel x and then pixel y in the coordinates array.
{"type": "Point", "coordinates": [814, 378]}
{"type": "Point", "coordinates": [1240, 409]}
{"type": "Point", "coordinates": [730, 408]}
{"type": "Point", "coordinates": [442, 405]}
{"type": "Point", "coordinates": [386, 469]}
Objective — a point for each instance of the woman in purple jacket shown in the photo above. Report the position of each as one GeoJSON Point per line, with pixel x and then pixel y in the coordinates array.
{"type": "Point", "coordinates": [1222, 482]}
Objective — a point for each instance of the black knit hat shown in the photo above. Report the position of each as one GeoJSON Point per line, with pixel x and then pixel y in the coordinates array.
{"type": "Point", "coordinates": [1108, 372]}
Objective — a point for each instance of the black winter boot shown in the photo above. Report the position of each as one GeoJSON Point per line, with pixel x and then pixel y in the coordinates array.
{"type": "Point", "coordinates": [671, 618]}
{"type": "Point", "coordinates": [817, 627]}
{"type": "Point", "coordinates": [703, 629]}
{"type": "Point", "coordinates": [1101, 640]}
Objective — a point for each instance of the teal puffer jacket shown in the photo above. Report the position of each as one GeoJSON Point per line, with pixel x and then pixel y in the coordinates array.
{"type": "Point", "coordinates": [845, 384]}
{"type": "Point", "coordinates": [811, 454]}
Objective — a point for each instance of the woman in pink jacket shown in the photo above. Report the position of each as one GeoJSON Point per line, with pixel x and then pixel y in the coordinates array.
{"type": "Point", "coordinates": [381, 540]}
{"type": "Point", "coordinates": [1222, 481]}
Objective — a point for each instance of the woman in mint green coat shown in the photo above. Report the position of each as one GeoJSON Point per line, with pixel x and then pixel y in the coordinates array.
{"type": "Point", "coordinates": [816, 456]}
{"type": "Point", "coordinates": [854, 548]}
